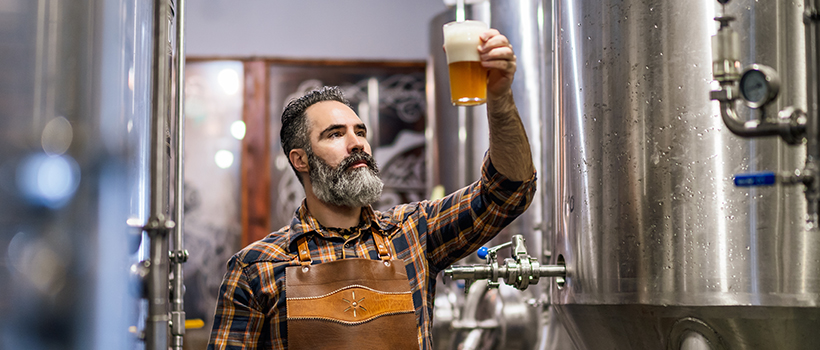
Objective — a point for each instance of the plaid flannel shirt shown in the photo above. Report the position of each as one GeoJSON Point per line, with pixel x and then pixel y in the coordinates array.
{"type": "Point", "coordinates": [428, 236]}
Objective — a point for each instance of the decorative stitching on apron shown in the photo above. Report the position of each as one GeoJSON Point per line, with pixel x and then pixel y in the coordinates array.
{"type": "Point", "coordinates": [345, 288]}
{"type": "Point", "coordinates": [346, 323]}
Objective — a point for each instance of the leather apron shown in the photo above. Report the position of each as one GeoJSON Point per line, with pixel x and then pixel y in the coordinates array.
{"type": "Point", "coordinates": [350, 303]}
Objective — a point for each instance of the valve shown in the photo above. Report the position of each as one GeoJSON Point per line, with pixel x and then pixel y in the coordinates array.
{"type": "Point", "coordinates": [520, 271]}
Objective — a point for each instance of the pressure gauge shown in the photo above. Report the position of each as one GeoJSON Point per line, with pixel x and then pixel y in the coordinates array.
{"type": "Point", "coordinates": [759, 85]}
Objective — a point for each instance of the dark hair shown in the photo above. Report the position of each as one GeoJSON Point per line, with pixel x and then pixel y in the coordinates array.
{"type": "Point", "coordinates": [294, 132]}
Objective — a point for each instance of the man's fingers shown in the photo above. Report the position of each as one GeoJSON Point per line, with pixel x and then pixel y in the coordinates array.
{"type": "Point", "coordinates": [489, 34]}
{"type": "Point", "coordinates": [505, 65]}
{"type": "Point", "coordinates": [494, 42]}
{"type": "Point", "coordinates": [499, 53]}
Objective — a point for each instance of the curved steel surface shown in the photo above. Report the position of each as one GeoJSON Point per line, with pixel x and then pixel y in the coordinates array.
{"type": "Point", "coordinates": [458, 136]}
{"type": "Point", "coordinates": [74, 107]}
{"type": "Point", "coordinates": [648, 214]}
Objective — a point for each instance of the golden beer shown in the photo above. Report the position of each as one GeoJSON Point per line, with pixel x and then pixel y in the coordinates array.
{"type": "Point", "coordinates": [468, 83]}
{"type": "Point", "coordinates": [468, 79]}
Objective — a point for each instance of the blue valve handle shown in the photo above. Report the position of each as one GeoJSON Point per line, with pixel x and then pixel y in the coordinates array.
{"type": "Point", "coordinates": [482, 252]}
{"type": "Point", "coordinates": [766, 178]}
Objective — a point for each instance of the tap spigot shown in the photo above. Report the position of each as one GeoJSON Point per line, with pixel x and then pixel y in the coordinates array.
{"type": "Point", "coordinates": [520, 271]}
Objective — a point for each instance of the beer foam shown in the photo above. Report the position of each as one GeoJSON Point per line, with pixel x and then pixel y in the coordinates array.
{"type": "Point", "coordinates": [461, 40]}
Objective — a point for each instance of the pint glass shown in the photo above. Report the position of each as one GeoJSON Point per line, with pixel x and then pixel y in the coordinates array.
{"type": "Point", "coordinates": [468, 79]}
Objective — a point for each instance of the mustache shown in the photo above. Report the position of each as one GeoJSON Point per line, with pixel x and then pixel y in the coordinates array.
{"type": "Point", "coordinates": [359, 157]}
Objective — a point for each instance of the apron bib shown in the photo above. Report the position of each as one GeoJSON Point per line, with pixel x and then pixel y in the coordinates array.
{"type": "Point", "coordinates": [350, 303]}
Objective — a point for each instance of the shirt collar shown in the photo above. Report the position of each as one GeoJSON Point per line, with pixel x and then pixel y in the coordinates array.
{"type": "Point", "coordinates": [304, 223]}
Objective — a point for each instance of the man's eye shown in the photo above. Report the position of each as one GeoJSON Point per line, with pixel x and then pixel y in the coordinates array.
{"type": "Point", "coordinates": [334, 134]}
{"type": "Point", "coordinates": [361, 133]}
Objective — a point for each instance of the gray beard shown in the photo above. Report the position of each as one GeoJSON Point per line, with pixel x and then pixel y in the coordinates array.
{"type": "Point", "coordinates": [344, 187]}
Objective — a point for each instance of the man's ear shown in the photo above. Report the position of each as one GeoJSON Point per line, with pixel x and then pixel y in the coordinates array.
{"type": "Point", "coordinates": [298, 157]}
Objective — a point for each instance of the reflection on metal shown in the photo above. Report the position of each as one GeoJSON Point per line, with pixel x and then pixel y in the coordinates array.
{"type": "Point", "coordinates": [695, 341]}
{"type": "Point", "coordinates": [520, 271]}
{"type": "Point", "coordinates": [493, 318]}
{"type": "Point", "coordinates": [72, 92]}
{"type": "Point", "coordinates": [651, 225]}
{"type": "Point", "coordinates": [454, 162]}
{"type": "Point", "coordinates": [165, 212]}
{"type": "Point", "coordinates": [159, 222]}
{"type": "Point", "coordinates": [691, 333]}
{"type": "Point", "coordinates": [811, 20]}
{"type": "Point", "coordinates": [178, 255]}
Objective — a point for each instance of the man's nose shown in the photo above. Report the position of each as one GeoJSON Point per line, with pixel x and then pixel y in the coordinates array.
{"type": "Point", "coordinates": [355, 143]}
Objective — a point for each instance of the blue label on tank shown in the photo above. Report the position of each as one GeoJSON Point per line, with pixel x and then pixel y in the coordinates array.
{"type": "Point", "coordinates": [755, 179]}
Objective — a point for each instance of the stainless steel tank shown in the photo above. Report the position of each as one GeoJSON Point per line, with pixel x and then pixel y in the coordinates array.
{"type": "Point", "coordinates": [662, 250]}
{"type": "Point", "coordinates": [458, 138]}
{"type": "Point", "coordinates": [74, 116]}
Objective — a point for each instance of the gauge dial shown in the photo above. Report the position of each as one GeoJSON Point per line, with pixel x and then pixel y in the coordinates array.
{"type": "Point", "coordinates": [759, 85]}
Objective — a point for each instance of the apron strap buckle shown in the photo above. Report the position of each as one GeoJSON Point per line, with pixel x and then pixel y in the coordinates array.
{"type": "Point", "coordinates": [384, 253]}
{"type": "Point", "coordinates": [304, 252]}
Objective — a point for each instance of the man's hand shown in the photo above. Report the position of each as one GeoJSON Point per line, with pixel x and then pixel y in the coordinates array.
{"type": "Point", "coordinates": [497, 56]}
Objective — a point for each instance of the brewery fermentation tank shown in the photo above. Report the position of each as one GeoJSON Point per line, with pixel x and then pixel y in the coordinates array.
{"type": "Point", "coordinates": [458, 139]}
{"type": "Point", "coordinates": [90, 160]}
{"type": "Point", "coordinates": [662, 250]}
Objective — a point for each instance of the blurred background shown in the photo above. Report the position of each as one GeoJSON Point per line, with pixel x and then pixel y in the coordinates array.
{"type": "Point", "coordinates": [139, 150]}
{"type": "Point", "coordinates": [77, 151]}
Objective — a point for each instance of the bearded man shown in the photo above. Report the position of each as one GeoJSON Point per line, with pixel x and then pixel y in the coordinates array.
{"type": "Point", "coordinates": [344, 276]}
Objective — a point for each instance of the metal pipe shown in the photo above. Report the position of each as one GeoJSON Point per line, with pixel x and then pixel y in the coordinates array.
{"type": "Point", "coordinates": [726, 70]}
{"type": "Point", "coordinates": [156, 325]}
{"type": "Point", "coordinates": [160, 79]}
{"type": "Point", "coordinates": [811, 18]}
{"type": "Point", "coordinates": [473, 340]}
{"type": "Point", "coordinates": [179, 255]}
{"type": "Point", "coordinates": [754, 127]}
{"type": "Point", "coordinates": [158, 226]}
{"type": "Point", "coordinates": [519, 271]}
{"type": "Point", "coordinates": [469, 317]}
{"type": "Point", "coordinates": [470, 272]}
{"type": "Point", "coordinates": [553, 271]}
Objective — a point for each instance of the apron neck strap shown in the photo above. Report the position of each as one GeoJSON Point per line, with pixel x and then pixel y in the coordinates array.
{"type": "Point", "coordinates": [384, 253]}
{"type": "Point", "coordinates": [304, 251]}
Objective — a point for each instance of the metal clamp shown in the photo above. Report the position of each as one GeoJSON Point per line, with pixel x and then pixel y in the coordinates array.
{"type": "Point", "coordinates": [520, 271]}
{"type": "Point", "coordinates": [178, 256]}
